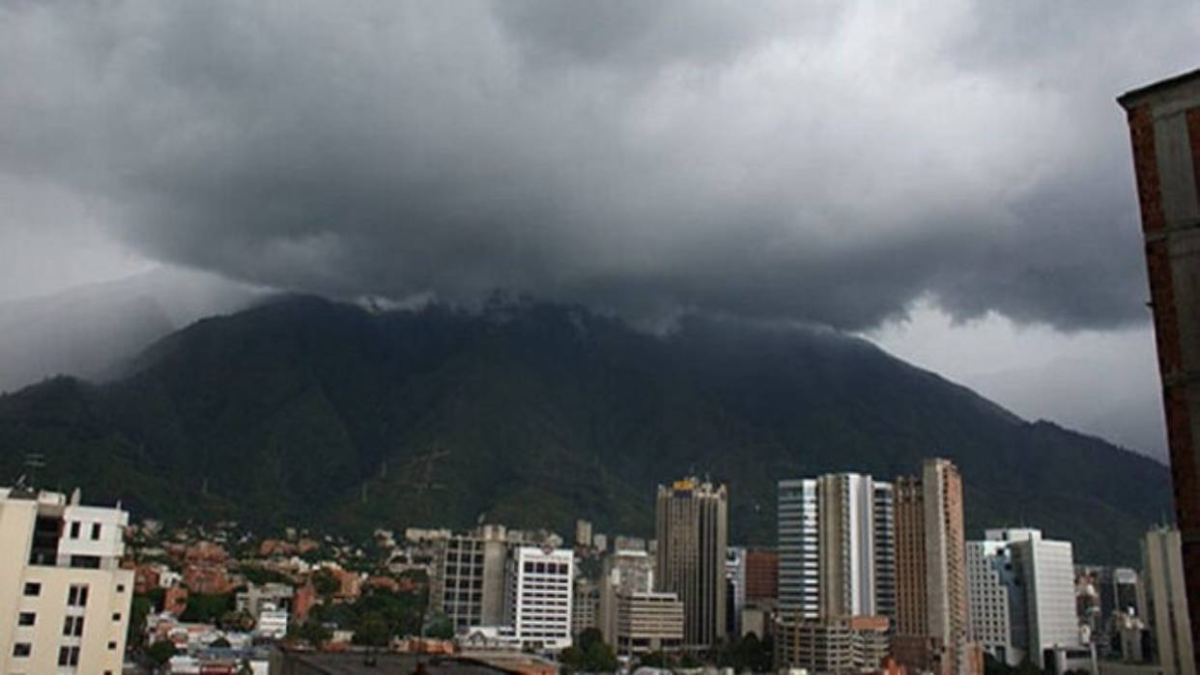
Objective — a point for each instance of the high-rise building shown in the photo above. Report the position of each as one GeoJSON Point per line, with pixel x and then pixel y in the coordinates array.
{"type": "Point", "coordinates": [64, 600]}
{"type": "Point", "coordinates": [1046, 570]}
{"type": "Point", "coordinates": [932, 616]}
{"type": "Point", "coordinates": [1022, 595]}
{"type": "Point", "coordinates": [692, 534]}
{"type": "Point", "coordinates": [585, 612]}
{"type": "Point", "coordinates": [469, 577]}
{"type": "Point", "coordinates": [1166, 601]}
{"type": "Point", "coordinates": [1164, 127]}
{"type": "Point", "coordinates": [1107, 599]}
{"type": "Point", "coordinates": [624, 573]}
{"type": "Point", "coordinates": [799, 572]}
{"type": "Point", "coordinates": [993, 599]}
{"type": "Point", "coordinates": [583, 533]}
{"type": "Point", "coordinates": [762, 576]}
{"type": "Point", "coordinates": [836, 547]}
{"type": "Point", "coordinates": [538, 598]}
{"type": "Point", "coordinates": [735, 588]}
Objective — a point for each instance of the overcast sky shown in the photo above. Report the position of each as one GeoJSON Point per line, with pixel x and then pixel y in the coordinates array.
{"type": "Point", "coordinates": [949, 177]}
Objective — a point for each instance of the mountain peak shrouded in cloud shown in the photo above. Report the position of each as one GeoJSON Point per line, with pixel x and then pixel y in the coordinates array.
{"type": "Point", "coordinates": [825, 162]}
{"type": "Point", "coordinates": [91, 331]}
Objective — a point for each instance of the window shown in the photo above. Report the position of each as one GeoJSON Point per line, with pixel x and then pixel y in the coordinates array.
{"type": "Point", "coordinates": [112, 646]}
{"type": "Point", "coordinates": [68, 656]}
{"type": "Point", "coordinates": [116, 616]}
{"type": "Point", "coordinates": [77, 596]}
{"type": "Point", "coordinates": [120, 588]}
{"type": "Point", "coordinates": [33, 588]}
{"type": "Point", "coordinates": [75, 529]}
{"type": "Point", "coordinates": [95, 531]}
{"type": "Point", "coordinates": [22, 650]}
{"type": "Point", "coordinates": [73, 626]}
{"type": "Point", "coordinates": [26, 619]}
{"type": "Point", "coordinates": [91, 562]}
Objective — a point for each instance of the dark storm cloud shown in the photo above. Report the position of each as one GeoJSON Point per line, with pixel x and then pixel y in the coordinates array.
{"type": "Point", "coordinates": [827, 161]}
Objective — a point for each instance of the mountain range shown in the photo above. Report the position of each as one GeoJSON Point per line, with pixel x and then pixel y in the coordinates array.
{"type": "Point", "coordinates": [305, 411]}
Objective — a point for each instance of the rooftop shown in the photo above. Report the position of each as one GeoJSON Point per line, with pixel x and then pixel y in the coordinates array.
{"type": "Point", "coordinates": [1134, 97]}
{"type": "Point", "coordinates": [353, 663]}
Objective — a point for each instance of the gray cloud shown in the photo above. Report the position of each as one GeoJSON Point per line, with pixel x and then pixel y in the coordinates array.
{"type": "Point", "coordinates": [829, 162]}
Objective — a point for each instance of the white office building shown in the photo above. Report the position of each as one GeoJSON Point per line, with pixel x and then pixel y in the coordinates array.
{"type": "Point", "coordinates": [539, 597]}
{"type": "Point", "coordinates": [1021, 590]}
{"type": "Point", "coordinates": [993, 601]}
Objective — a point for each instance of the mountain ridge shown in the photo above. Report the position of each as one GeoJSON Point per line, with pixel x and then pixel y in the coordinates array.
{"type": "Point", "coordinates": [535, 413]}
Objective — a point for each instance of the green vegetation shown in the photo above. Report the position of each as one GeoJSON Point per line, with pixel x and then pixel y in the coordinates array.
{"type": "Point", "coordinates": [204, 608]}
{"type": "Point", "coordinates": [376, 616]}
{"type": "Point", "coordinates": [993, 667]}
{"type": "Point", "coordinates": [160, 652]}
{"type": "Point", "coordinates": [589, 654]}
{"type": "Point", "coordinates": [536, 414]}
{"type": "Point", "coordinates": [139, 608]}
{"type": "Point", "coordinates": [438, 626]}
{"type": "Point", "coordinates": [310, 631]}
{"type": "Point", "coordinates": [746, 653]}
{"type": "Point", "coordinates": [326, 583]}
{"type": "Point", "coordinates": [259, 575]}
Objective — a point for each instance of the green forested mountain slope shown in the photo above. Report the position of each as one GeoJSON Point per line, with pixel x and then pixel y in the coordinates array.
{"type": "Point", "coordinates": [307, 411]}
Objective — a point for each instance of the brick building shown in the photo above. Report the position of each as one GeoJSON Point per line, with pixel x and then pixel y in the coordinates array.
{"type": "Point", "coordinates": [1164, 127]}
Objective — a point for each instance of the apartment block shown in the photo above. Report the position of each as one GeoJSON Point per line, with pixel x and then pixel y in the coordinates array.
{"type": "Point", "coordinates": [469, 577]}
{"type": "Point", "coordinates": [832, 646]}
{"type": "Point", "coordinates": [932, 611]}
{"type": "Point", "coordinates": [64, 600]}
{"type": "Point", "coordinates": [1166, 601]}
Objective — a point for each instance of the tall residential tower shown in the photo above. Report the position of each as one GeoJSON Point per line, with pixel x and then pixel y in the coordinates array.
{"type": "Point", "coordinates": [932, 616]}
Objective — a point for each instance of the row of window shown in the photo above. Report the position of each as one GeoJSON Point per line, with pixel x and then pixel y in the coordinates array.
{"type": "Point", "coordinates": [76, 526]}
{"type": "Point", "coordinates": [72, 625]}
{"type": "Point", "coordinates": [68, 655]}
{"type": "Point", "coordinates": [77, 594]}
{"type": "Point", "coordinates": [547, 568]}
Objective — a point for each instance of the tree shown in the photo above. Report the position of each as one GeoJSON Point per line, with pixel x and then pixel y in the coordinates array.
{"type": "Point", "coordinates": [311, 632]}
{"type": "Point", "coordinates": [139, 609]}
{"type": "Point", "coordinates": [589, 654]}
{"type": "Point", "coordinates": [160, 652]}
{"type": "Point", "coordinates": [326, 583]}
{"type": "Point", "coordinates": [372, 630]}
{"type": "Point", "coordinates": [439, 626]}
{"type": "Point", "coordinates": [202, 608]}
{"type": "Point", "coordinates": [600, 658]}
